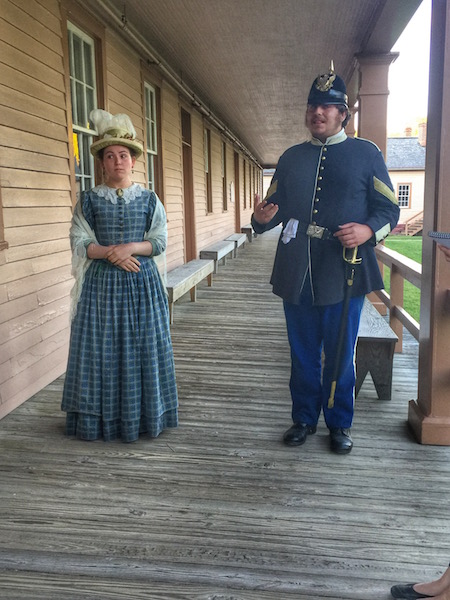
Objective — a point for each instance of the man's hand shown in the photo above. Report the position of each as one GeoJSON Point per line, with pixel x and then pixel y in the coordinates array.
{"type": "Point", "coordinates": [353, 234]}
{"type": "Point", "coordinates": [264, 211]}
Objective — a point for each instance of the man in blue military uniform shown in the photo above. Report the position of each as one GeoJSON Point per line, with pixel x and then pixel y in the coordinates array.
{"type": "Point", "coordinates": [330, 193]}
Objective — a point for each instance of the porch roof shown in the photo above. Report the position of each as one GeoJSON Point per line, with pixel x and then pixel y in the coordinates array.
{"type": "Point", "coordinates": [251, 62]}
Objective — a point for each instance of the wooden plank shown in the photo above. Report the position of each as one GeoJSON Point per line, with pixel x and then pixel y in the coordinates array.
{"type": "Point", "coordinates": [185, 278]}
{"type": "Point", "coordinates": [375, 351]}
{"type": "Point", "coordinates": [220, 508]}
{"type": "Point", "coordinates": [38, 23]}
{"type": "Point", "coordinates": [248, 230]}
{"type": "Point", "coordinates": [218, 251]}
{"type": "Point", "coordinates": [372, 326]}
{"type": "Point", "coordinates": [30, 66]}
{"type": "Point", "coordinates": [239, 240]}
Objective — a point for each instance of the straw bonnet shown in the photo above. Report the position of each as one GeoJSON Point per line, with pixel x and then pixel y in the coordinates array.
{"type": "Point", "coordinates": [113, 130]}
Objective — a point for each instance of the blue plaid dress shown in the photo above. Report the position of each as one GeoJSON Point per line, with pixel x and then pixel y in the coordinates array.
{"type": "Point", "coordinates": [120, 378]}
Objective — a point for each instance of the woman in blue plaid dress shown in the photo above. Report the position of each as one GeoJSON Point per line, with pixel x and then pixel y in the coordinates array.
{"type": "Point", "coordinates": [120, 379]}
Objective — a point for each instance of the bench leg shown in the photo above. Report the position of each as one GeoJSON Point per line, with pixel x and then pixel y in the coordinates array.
{"type": "Point", "coordinates": [210, 280]}
{"type": "Point", "coordinates": [193, 292]}
{"type": "Point", "coordinates": [376, 359]}
{"type": "Point", "coordinates": [171, 313]}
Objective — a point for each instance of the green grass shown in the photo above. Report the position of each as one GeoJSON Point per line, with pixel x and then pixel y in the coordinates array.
{"type": "Point", "coordinates": [412, 248]}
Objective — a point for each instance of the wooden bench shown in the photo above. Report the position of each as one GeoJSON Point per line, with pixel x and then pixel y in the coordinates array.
{"type": "Point", "coordinates": [217, 252]}
{"type": "Point", "coordinates": [185, 278]}
{"type": "Point", "coordinates": [248, 230]}
{"type": "Point", "coordinates": [375, 351]}
{"type": "Point", "coordinates": [239, 240]}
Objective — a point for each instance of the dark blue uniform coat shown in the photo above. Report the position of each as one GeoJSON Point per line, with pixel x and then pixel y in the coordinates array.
{"type": "Point", "coordinates": [344, 180]}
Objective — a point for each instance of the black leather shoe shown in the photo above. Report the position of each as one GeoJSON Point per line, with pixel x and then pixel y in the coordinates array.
{"type": "Point", "coordinates": [340, 440]}
{"type": "Point", "coordinates": [407, 592]}
{"type": "Point", "coordinates": [297, 434]}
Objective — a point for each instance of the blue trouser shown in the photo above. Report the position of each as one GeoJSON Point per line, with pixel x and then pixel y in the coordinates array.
{"type": "Point", "coordinates": [311, 329]}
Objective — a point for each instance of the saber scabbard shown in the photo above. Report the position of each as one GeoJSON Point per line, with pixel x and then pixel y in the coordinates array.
{"type": "Point", "coordinates": [351, 262]}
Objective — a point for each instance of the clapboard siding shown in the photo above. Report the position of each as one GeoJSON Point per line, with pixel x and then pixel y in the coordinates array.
{"type": "Point", "coordinates": [33, 106]}
{"type": "Point", "coordinates": [126, 93]}
{"type": "Point", "coordinates": [31, 47]}
{"type": "Point", "coordinates": [36, 21]}
{"type": "Point", "coordinates": [172, 174]}
{"type": "Point", "coordinates": [33, 160]}
{"type": "Point", "coordinates": [25, 140]}
{"type": "Point", "coordinates": [32, 124]}
{"type": "Point", "coordinates": [36, 198]}
{"type": "Point", "coordinates": [28, 65]}
{"type": "Point", "coordinates": [29, 86]}
{"type": "Point", "coordinates": [13, 198]}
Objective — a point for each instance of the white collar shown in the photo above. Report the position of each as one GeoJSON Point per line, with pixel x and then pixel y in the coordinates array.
{"type": "Point", "coordinates": [337, 138]}
{"type": "Point", "coordinates": [111, 194]}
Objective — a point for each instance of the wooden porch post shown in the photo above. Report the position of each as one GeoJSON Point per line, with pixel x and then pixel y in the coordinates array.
{"type": "Point", "coordinates": [373, 96]}
{"type": "Point", "coordinates": [372, 121]}
{"type": "Point", "coordinates": [429, 415]}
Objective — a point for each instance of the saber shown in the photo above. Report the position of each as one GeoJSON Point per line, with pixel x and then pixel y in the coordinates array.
{"type": "Point", "coordinates": [351, 262]}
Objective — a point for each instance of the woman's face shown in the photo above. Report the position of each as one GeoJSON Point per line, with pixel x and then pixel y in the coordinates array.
{"type": "Point", "coordinates": [118, 163]}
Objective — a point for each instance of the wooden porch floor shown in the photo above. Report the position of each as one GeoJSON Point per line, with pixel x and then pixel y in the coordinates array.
{"type": "Point", "coordinates": [220, 509]}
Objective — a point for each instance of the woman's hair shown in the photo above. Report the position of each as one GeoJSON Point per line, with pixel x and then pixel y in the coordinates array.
{"type": "Point", "coordinates": [101, 152]}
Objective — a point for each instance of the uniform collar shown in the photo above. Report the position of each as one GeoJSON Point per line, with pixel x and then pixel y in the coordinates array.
{"type": "Point", "coordinates": [337, 138]}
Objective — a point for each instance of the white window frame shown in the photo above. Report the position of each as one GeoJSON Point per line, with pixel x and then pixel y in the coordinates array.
{"type": "Point", "coordinates": [83, 92]}
{"type": "Point", "coordinates": [208, 178]}
{"type": "Point", "coordinates": [151, 134]}
{"type": "Point", "coordinates": [404, 193]}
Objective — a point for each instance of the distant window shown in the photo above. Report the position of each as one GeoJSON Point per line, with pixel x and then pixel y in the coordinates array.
{"type": "Point", "coordinates": [224, 176]}
{"type": "Point", "coordinates": [252, 195]}
{"type": "Point", "coordinates": [151, 135]}
{"type": "Point", "coordinates": [207, 150]}
{"type": "Point", "coordinates": [404, 195]}
{"type": "Point", "coordinates": [83, 93]}
{"type": "Point", "coordinates": [245, 183]}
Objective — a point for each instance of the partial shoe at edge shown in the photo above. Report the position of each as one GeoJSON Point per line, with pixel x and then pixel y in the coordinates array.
{"type": "Point", "coordinates": [407, 592]}
{"type": "Point", "coordinates": [340, 440]}
{"type": "Point", "coordinates": [297, 434]}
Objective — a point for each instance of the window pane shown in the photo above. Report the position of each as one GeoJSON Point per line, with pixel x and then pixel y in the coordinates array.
{"type": "Point", "coordinates": [90, 105]}
{"type": "Point", "coordinates": [80, 118]}
{"type": "Point", "coordinates": [88, 71]}
{"type": "Point", "coordinates": [83, 96]}
{"type": "Point", "coordinates": [151, 135]}
{"type": "Point", "coordinates": [151, 172]}
{"type": "Point", "coordinates": [77, 58]}
{"type": "Point", "coordinates": [74, 101]}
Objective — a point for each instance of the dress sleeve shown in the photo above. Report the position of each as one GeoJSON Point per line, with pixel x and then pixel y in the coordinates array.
{"type": "Point", "coordinates": [156, 232]}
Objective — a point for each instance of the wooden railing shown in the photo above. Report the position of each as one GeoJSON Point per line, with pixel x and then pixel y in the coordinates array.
{"type": "Point", "coordinates": [402, 268]}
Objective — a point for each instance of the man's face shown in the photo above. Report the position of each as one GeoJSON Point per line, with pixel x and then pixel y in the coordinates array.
{"type": "Point", "coordinates": [323, 120]}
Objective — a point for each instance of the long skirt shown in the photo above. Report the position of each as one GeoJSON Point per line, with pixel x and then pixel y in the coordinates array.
{"type": "Point", "coordinates": [120, 379]}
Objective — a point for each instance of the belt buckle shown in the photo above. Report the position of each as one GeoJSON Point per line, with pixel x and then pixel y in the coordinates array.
{"type": "Point", "coordinates": [315, 231]}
